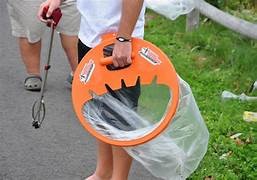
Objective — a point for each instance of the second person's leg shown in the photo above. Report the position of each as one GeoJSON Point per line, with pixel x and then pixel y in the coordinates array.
{"type": "Point", "coordinates": [30, 55]}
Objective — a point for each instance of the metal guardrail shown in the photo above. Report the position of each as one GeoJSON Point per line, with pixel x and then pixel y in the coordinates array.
{"type": "Point", "coordinates": [236, 24]}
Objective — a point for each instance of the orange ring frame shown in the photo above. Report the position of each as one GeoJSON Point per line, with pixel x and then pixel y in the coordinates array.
{"type": "Point", "coordinates": [140, 67]}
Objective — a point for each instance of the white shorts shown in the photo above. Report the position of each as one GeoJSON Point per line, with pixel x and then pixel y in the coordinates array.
{"type": "Point", "coordinates": [24, 22]}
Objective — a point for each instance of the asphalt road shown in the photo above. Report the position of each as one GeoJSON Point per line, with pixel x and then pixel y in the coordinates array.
{"type": "Point", "coordinates": [61, 149]}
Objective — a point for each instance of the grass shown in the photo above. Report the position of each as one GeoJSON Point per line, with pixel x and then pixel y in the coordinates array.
{"type": "Point", "coordinates": [212, 59]}
{"type": "Point", "coordinates": [153, 101]}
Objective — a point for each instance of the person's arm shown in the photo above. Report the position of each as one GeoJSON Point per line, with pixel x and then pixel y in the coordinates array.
{"type": "Point", "coordinates": [52, 4]}
{"type": "Point", "coordinates": [130, 13]}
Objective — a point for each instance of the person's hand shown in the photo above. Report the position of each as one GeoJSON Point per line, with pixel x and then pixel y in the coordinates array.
{"type": "Point", "coordinates": [122, 54]}
{"type": "Point", "coordinates": [52, 5]}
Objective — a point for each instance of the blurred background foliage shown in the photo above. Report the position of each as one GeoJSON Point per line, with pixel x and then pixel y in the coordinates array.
{"type": "Point", "coordinates": [245, 9]}
{"type": "Point", "coordinates": [234, 4]}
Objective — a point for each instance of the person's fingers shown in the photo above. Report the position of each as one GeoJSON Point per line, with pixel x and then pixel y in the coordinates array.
{"type": "Point", "coordinates": [49, 22]}
{"type": "Point", "coordinates": [129, 60]}
{"type": "Point", "coordinates": [121, 54]}
{"type": "Point", "coordinates": [115, 63]}
{"type": "Point", "coordinates": [122, 62]}
{"type": "Point", "coordinates": [40, 13]}
{"type": "Point", "coordinates": [50, 11]}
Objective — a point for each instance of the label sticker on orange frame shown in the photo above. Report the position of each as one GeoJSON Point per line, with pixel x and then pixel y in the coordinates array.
{"type": "Point", "coordinates": [87, 71]}
{"type": "Point", "coordinates": [150, 56]}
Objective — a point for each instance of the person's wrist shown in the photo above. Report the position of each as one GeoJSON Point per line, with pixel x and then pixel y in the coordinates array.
{"type": "Point", "coordinates": [123, 39]}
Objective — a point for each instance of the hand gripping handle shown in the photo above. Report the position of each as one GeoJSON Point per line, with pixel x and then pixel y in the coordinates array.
{"type": "Point", "coordinates": [108, 60]}
{"type": "Point", "coordinates": [55, 17]}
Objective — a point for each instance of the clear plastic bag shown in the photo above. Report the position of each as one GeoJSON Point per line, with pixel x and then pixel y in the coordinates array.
{"type": "Point", "coordinates": [171, 8]}
{"type": "Point", "coordinates": [175, 153]}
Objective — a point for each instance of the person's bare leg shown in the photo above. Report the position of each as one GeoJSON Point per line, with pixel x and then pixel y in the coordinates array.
{"type": "Point", "coordinates": [104, 165]}
{"type": "Point", "coordinates": [121, 164]}
{"type": "Point", "coordinates": [69, 44]}
{"type": "Point", "coordinates": [30, 54]}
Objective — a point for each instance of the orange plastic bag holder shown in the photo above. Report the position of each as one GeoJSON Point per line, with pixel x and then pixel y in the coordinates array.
{"type": "Point", "coordinates": [148, 62]}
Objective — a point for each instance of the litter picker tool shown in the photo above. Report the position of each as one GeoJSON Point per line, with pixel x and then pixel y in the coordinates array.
{"type": "Point", "coordinates": [38, 108]}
